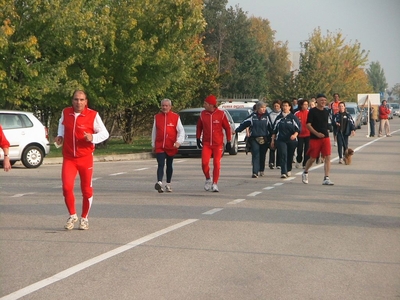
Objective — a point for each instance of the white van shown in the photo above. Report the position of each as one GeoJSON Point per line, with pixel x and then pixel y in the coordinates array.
{"type": "Point", "coordinates": [239, 109]}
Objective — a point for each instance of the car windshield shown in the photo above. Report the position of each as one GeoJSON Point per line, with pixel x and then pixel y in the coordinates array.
{"type": "Point", "coordinates": [239, 115]}
{"type": "Point", "coordinates": [394, 105]}
{"type": "Point", "coordinates": [189, 117]}
{"type": "Point", "coordinates": [351, 110]}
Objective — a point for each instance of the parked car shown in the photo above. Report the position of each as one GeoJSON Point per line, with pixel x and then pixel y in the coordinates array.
{"type": "Point", "coordinates": [238, 116]}
{"type": "Point", "coordinates": [27, 136]}
{"type": "Point", "coordinates": [189, 118]}
{"type": "Point", "coordinates": [395, 109]}
{"type": "Point", "coordinates": [354, 110]}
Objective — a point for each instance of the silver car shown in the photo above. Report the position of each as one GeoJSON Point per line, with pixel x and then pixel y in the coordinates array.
{"type": "Point", "coordinates": [189, 118]}
{"type": "Point", "coordinates": [27, 136]}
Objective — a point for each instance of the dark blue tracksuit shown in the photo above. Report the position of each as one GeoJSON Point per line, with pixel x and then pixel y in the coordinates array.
{"type": "Point", "coordinates": [284, 127]}
{"type": "Point", "coordinates": [260, 126]}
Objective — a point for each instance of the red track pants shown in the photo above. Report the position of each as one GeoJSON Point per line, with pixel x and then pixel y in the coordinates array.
{"type": "Point", "coordinates": [216, 151]}
{"type": "Point", "coordinates": [70, 167]}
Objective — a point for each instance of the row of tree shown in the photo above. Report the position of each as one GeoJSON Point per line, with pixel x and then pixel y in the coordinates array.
{"type": "Point", "coordinates": [129, 55]}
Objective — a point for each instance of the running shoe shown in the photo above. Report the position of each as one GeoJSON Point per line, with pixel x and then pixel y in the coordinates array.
{"type": "Point", "coordinates": [254, 176]}
{"type": "Point", "coordinates": [70, 222]}
{"type": "Point", "coordinates": [158, 187]}
{"type": "Point", "coordinates": [341, 161]}
{"type": "Point", "coordinates": [304, 178]}
{"type": "Point", "coordinates": [327, 181]}
{"type": "Point", "coordinates": [261, 173]}
{"type": "Point", "coordinates": [84, 224]}
{"type": "Point", "coordinates": [283, 176]}
{"type": "Point", "coordinates": [271, 166]}
{"type": "Point", "coordinates": [297, 165]}
{"type": "Point", "coordinates": [208, 184]}
{"type": "Point", "coordinates": [168, 188]}
{"type": "Point", "coordinates": [214, 188]}
{"type": "Point", "coordinates": [289, 174]}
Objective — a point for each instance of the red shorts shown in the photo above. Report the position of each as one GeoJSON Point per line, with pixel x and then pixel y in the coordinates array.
{"type": "Point", "coordinates": [319, 146]}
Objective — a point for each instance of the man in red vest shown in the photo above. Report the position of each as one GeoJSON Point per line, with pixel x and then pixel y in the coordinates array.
{"type": "Point", "coordinates": [166, 137]}
{"type": "Point", "coordinates": [210, 126]}
{"type": "Point", "coordinates": [79, 129]}
{"type": "Point", "coordinates": [5, 145]}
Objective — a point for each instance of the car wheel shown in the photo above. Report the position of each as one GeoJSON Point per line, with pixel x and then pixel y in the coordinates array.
{"type": "Point", "coordinates": [32, 157]}
{"type": "Point", "coordinates": [235, 146]}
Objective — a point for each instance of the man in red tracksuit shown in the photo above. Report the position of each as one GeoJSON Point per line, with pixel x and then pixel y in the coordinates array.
{"type": "Point", "coordinates": [5, 145]}
{"type": "Point", "coordinates": [79, 129]}
{"type": "Point", "coordinates": [166, 137]}
{"type": "Point", "coordinates": [210, 125]}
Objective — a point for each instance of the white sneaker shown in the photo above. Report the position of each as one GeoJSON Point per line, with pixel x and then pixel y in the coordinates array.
{"type": "Point", "coordinates": [208, 184]}
{"type": "Point", "coordinates": [84, 224]}
{"type": "Point", "coordinates": [297, 165]}
{"type": "Point", "coordinates": [335, 144]}
{"type": "Point", "coordinates": [327, 181]}
{"type": "Point", "coordinates": [168, 188]}
{"type": "Point", "coordinates": [158, 187]}
{"type": "Point", "coordinates": [341, 161]}
{"type": "Point", "coordinates": [214, 188]}
{"type": "Point", "coordinates": [283, 176]}
{"type": "Point", "coordinates": [304, 178]}
{"type": "Point", "coordinates": [71, 221]}
{"type": "Point", "coordinates": [278, 167]}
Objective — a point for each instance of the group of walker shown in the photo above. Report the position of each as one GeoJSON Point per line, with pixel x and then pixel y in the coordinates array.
{"type": "Point", "coordinates": [282, 131]}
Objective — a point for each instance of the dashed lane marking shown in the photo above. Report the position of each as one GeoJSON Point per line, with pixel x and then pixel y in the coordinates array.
{"type": "Point", "coordinates": [236, 201]}
{"type": "Point", "coordinates": [212, 211]}
{"type": "Point", "coordinates": [90, 262]}
{"type": "Point", "coordinates": [254, 194]}
{"type": "Point", "coordinates": [116, 174]}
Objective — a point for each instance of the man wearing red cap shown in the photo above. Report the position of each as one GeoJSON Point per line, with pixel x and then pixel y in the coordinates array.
{"type": "Point", "coordinates": [210, 125]}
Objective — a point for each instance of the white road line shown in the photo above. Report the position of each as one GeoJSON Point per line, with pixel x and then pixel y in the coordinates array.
{"type": "Point", "coordinates": [94, 179]}
{"type": "Point", "coordinates": [278, 183]}
{"type": "Point", "coordinates": [141, 169]}
{"type": "Point", "coordinates": [115, 174]}
{"type": "Point", "coordinates": [21, 195]}
{"type": "Point", "coordinates": [236, 201]}
{"type": "Point", "coordinates": [289, 178]}
{"type": "Point", "coordinates": [254, 194]}
{"type": "Point", "coordinates": [90, 262]}
{"type": "Point", "coordinates": [212, 211]}
{"type": "Point", "coordinates": [268, 188]}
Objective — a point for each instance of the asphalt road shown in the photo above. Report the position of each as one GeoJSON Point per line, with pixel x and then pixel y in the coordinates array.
{"type": "Point", "coordinates": [264, 238]}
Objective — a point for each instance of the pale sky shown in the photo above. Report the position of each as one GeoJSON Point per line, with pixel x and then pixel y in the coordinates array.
{"type": "Point", "coordinates": [375, 24]}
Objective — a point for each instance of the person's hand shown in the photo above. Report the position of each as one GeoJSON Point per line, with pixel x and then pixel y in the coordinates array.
{"type": "Point", "coordinates": [228, 146]}
{"type": "Point", "coordinates": [6, 164]}
{"type": "Point", "coordinates": [177, 145]}
{"type": "Point", "coordinates": [199, 144]}
{"type": "Point", "coordinates": [272, 145]}
{"type": "Point", "coordinates": [59, 140]}
{"type": "Point", "coordinates": [88, 136]}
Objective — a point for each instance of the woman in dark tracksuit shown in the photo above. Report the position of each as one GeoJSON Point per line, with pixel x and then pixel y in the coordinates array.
{"type": "Point", "coordinates": [284, 137]}
{"type": "Point", "coordinates": [260, 127]}
{"type": "Point", "coordinates": [345, 127]}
